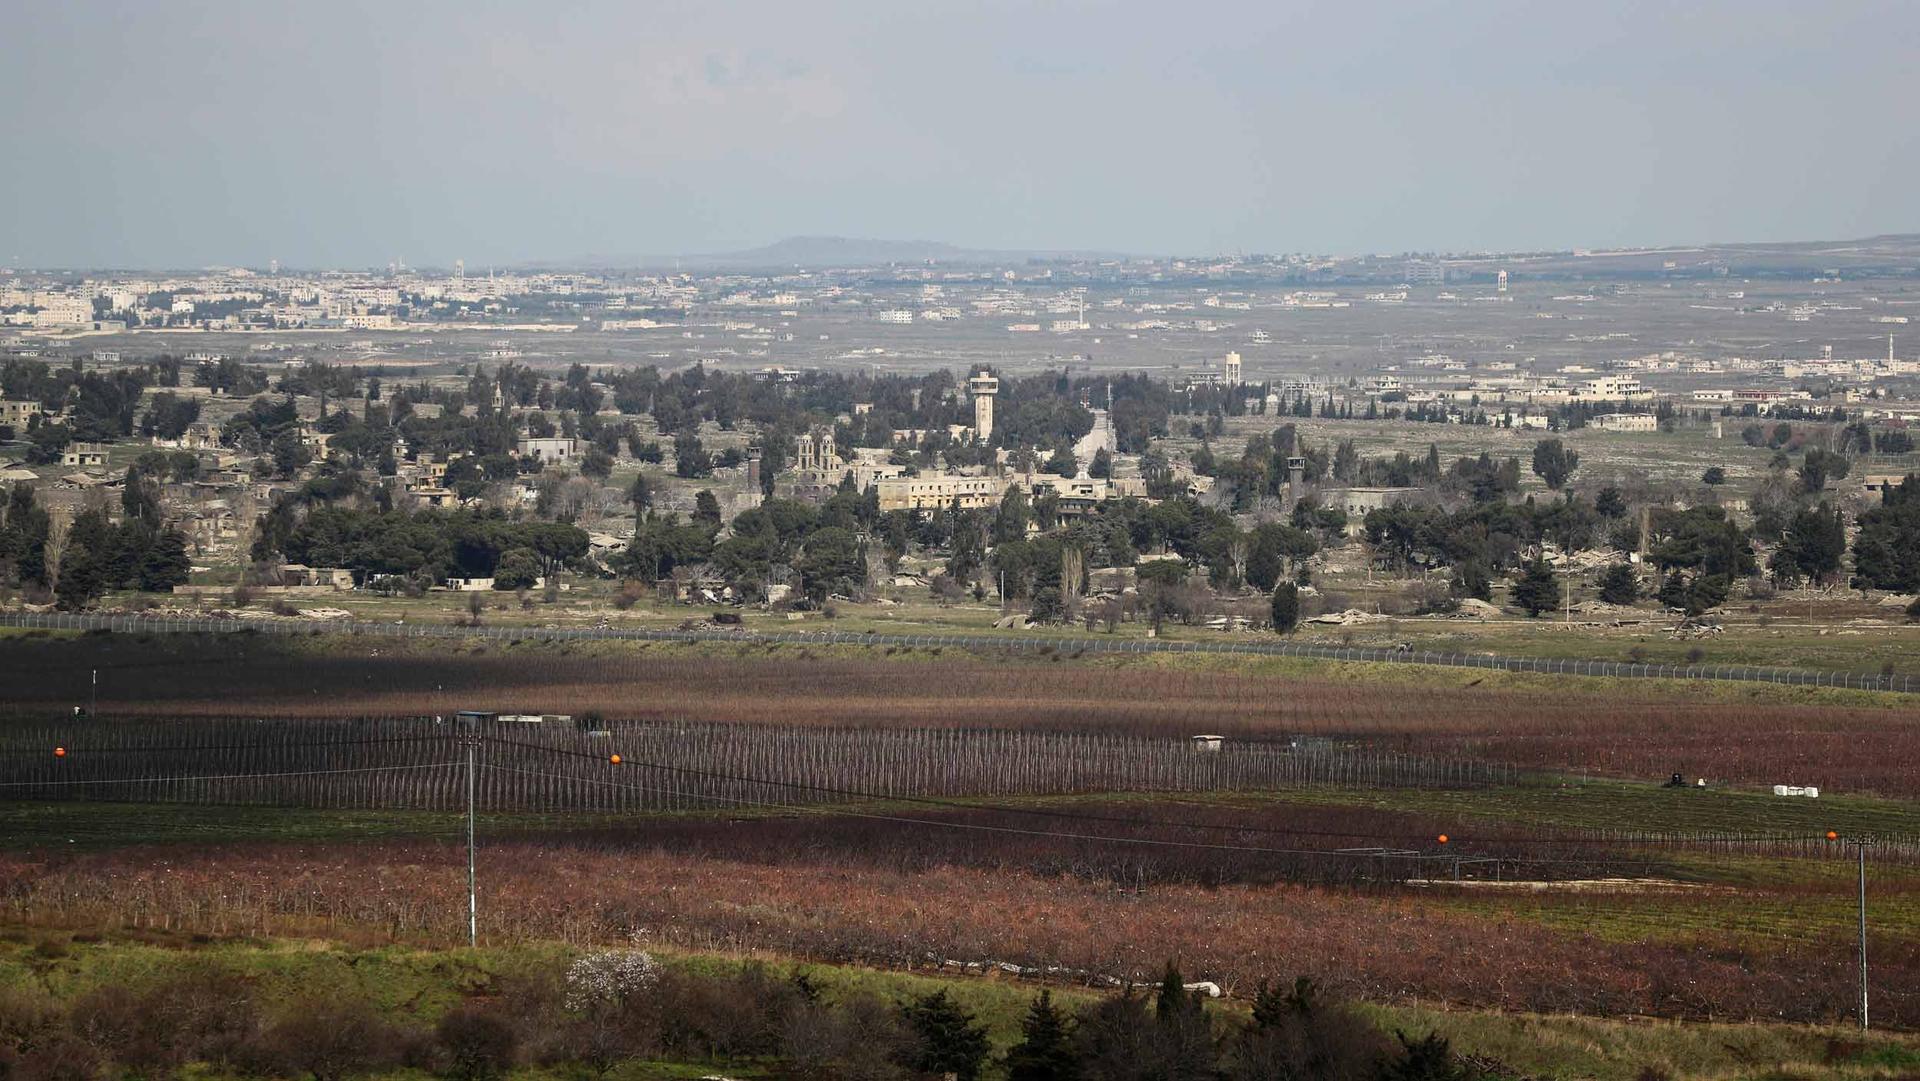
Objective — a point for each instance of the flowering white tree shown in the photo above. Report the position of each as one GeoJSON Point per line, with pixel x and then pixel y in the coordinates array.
{"type": "Point", "coordinates": [608, 1008]}
{"type": "Point", "coordinates": [609, 979]}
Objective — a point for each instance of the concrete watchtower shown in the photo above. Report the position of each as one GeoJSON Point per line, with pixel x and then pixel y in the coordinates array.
{"type": "Point", "coordinates": [983, 387]}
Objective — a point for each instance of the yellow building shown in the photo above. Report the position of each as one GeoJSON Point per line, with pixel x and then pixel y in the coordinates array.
{"type": "Point", "coordinates": [933, 491]}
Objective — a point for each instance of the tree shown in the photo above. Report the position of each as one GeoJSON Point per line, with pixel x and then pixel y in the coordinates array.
{"type": "Point", "coordinates": [1553, 462]}
{"type": "Point", "coordinates": [596, 463]}
{"type": "Point", "coordinates": [1811, 547]}
{"type": "Point", "coordinates": [1818, 467]}
{"type": "Point", "coordinates": [1886, 551]}
{"type": "Point", "coordinates": [1610, 503]}
{"type": "Point", "coordinates": [1620, 585]}
{"type": "Point", "coordinates": [290, 453]}
{"type": "Point", "coordinates": [1045, 1051]}
{"type": "Point", "coordinates": [164, 564]}
{"type": "Point", "coordinates": [706, 508]}
{"type": "Point", "coordinates": [831, 563]}
{"type": "Point", "coordinates": [640, 495]}
{"type": "Point", "coordinates": [1286, 608]}
{"type": "Point", "coordinates": [1010, 524]}
{"type": "Point", "coordinates": [690, 459]}
{"type": "Point", "coordinates": [1102, 466]}
{"type": "Point", "coordinates": [23, 538]}
{"type": "Point", "coordinates": [1714, 476]}
{"type": "Point", "coordinates": [519, 568]}
{"type": "Point", "coordinates": [1536, 591]}
{"type": "Point", "coordinates": [945, 1038]}
{"type": "Point", "coordinates": [84, 562]}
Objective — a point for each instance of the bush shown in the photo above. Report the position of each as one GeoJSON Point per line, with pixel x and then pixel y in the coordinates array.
{"type": "Point", "coordinates": [479, 1045]}
{"type": "Point", "coordinates": [726, 1017]}
{"type": "Point", "coordinates": [330, 1038]}
{"type": "Point", "coordinates": [1431, 599]}
{"type": "Point", "coordinates": [859, 1040]}
{"type": "Point", "coordinates": [629, 595]}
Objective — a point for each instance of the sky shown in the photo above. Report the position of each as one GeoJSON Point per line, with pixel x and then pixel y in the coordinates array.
{"type": "Point", "coordinates": [346, 133]}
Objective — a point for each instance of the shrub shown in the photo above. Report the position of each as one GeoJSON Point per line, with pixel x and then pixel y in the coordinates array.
{"type": "Point", "coordinates": [329, 1038]}
{"type": "Point", "coordinates": [480, 1045]}
{"type": "Point", "coordinates": [1426, 1059]}
{"type": "Point", "coordinates": [858, 1041]}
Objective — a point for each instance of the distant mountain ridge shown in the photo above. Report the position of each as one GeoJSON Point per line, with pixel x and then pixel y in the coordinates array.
{"type": "Point", "coordinates": [838, 251]}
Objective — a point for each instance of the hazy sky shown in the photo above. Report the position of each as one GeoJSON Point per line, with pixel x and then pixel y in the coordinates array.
{"type": "Point", "coordinates": [346, 133]}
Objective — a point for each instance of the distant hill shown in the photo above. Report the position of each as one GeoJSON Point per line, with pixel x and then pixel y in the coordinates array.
{"type": "Point", "coordinates": [840, 251]}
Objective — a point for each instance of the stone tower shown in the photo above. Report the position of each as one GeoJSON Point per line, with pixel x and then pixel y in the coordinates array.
{"type": "Point", "coordinates": [983, 387]}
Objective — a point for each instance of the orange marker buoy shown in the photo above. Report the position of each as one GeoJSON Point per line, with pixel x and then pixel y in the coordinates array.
{"type": "Point", "coordinates": [614, 759]}
{"type": "Point", "coordinates": [1832, 836]}
{"type": "Point", "coordinates": [1443, 838]}
{"type": "Point", "coordinates": [59, 752]}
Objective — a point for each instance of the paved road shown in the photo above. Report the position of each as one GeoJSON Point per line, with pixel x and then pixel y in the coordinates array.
{"type": "Point", "coordinates": [1251, 644]}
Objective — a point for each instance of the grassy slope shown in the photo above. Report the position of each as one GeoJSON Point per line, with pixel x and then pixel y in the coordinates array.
{"type": "Point", "coordinates": [420, 985]}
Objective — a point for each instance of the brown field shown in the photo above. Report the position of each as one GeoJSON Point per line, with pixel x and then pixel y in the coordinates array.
{"type": "Point", "coordinates": [1632, 732]}
{"type": "Point", "coordinates": [843, 906]}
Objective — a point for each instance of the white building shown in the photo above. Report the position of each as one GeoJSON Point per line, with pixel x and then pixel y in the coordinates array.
{"type": "Point", "coordinates": [550, 449]}
{"type": "Point", "coordinates": [1625, 422]}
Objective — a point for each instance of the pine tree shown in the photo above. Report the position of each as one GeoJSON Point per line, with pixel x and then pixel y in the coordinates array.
{"type": "Point", "coordinates": [1620, 585]}
{"type": "Point", "coordinates": [947, 1039]}
{"type": "Point", "coordinates": [1045, 1051]}
{"type": "Point", "coordinates": [1286, 608]}
{"type": "Point", "coordinates": [1536, 591]}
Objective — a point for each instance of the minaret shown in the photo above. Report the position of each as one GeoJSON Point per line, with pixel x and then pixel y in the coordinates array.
{"type": "Point", "coordinates": [983, 387]}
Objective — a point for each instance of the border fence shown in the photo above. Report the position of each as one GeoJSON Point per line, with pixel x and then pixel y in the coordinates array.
{"type": "Point", "coordinates": [1798, 677]}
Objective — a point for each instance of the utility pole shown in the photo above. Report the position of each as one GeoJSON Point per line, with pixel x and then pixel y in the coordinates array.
{"type": "Point", "coordinates": [473, 894]}
{"type": "Point", "coordinates": [93, 696]}
{"type": "Point", "coordinates": [1860, 847]}
{"type": "Point", "coordinates": [1860, 854]}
